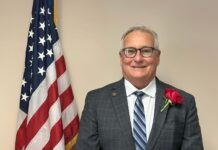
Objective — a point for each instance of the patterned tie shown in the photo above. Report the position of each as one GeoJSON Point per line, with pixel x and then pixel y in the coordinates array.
{"type": "Point", "coordinates": [139, 126]}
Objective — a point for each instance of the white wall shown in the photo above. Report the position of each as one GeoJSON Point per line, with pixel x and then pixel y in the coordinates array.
{"type": "Point", "coordinates": [90, 33]}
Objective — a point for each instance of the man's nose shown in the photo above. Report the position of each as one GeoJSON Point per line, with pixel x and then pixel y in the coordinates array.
{"type": "Point", "coordinates": [138, 56]}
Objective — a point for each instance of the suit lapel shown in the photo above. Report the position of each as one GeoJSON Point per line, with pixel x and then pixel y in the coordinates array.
{"type": "Point", "coordinates": [119, 102]}
{"type": "Point", "coordinates": [159, 117]}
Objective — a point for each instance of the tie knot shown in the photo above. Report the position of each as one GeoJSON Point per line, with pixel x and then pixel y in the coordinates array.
{"type": "Point", "coordinates": [139, 94]}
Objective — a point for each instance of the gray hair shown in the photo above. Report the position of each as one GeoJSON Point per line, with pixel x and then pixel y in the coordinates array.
{"type": "Point", "coordinates": [145, 30]}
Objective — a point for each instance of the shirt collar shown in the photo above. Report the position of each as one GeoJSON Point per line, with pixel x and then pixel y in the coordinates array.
{"type": "Point", "coordinates": [150, 89]}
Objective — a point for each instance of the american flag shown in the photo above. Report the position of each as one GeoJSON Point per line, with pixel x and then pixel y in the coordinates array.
{"type": "Point", "coordinates": [47, 117]}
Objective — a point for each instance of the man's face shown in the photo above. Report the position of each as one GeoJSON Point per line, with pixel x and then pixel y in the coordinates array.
{"type": "Point", "coordinates": [139, 68]}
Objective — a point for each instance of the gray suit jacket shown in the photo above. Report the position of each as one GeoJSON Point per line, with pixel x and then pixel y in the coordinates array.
{"type": "Point", "coordinates": [105, 122]}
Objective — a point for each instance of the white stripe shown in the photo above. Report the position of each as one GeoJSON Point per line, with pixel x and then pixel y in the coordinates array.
{"type": "Point", "coordinates": [63, 83]}
{"type": "Point", "coordinates": [69, 114]}
{"type": "Point", "coordinates": [54, 113]}
{"type": "Point", "coordinates": [21, 117]}
{"type": "Point", "coordinates": [60, 145]}
{"type": "Point", "coordinates": [57, 50]}
{"type": "Point", "coordinates": [40, 94]}
{"type": "Point", "coordinates": [41, 138]}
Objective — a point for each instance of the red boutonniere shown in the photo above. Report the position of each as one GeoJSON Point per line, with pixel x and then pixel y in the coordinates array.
{"type": "Point", "coordinates": [172, 97]}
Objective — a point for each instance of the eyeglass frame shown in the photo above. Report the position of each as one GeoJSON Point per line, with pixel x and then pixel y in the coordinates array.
{"type": "Point", "coordinates": [140, 50]}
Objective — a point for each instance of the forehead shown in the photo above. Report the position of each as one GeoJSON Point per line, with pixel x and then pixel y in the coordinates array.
{"type": "Point", "coordinates": [138, 39]}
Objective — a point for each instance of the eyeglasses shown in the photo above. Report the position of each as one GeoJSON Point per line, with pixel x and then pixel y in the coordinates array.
{"type": "Point", "coordinates": [131, 52]}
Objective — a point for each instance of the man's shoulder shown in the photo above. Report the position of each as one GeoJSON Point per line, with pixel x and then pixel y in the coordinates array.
{"type": "Point", "coordinates": [108, 87]}
{"type": "Point", "coordinates": [165, 85]}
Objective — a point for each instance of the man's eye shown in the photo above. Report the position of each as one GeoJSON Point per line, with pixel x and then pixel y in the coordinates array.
{"type": "Point", "coordinates": [146, 50]}
{"type": "Point", "coordinates": [131, 51]}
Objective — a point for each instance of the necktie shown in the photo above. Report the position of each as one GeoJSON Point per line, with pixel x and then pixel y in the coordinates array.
{"type": "Point", "coordinates": [139, 126]}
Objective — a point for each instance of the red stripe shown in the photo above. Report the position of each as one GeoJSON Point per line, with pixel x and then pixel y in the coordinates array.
{"type": "Point", "coordinates": [71, 130]}
{"type": "Point", "coordinates": [60, 66]}
{"type": "Point", "coordinates": [66, 98]}
{"type": "Point", "coordinates": [42, 113]}
{"type": "Point", "coordinates": [55, 135]}
{"type": "Point", "coordinates": [21, 135]}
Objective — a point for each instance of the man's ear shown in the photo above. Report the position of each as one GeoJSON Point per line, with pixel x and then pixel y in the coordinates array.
{"type": "Point", "coordinates": [120, 57]}
{"type": "Point", "coordinates": [158, 55]}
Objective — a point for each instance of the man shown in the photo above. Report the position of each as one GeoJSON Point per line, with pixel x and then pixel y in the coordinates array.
{"type": "Point", "coordinates": [135, 113]}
